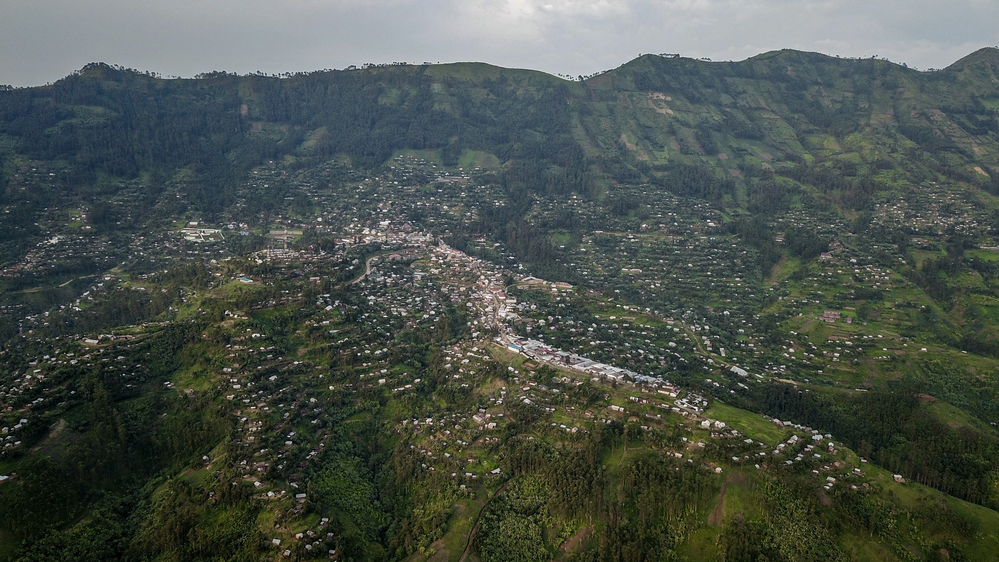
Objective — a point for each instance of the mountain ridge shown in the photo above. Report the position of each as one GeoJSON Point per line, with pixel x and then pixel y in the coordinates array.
{"type": "Point", "coordinates": [982, 53]}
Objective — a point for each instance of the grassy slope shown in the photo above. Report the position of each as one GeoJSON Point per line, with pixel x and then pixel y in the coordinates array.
{"type": "Point", "coordinates": [742, 497]}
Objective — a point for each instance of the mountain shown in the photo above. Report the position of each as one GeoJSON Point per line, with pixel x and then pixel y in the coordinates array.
{"type": "Point", "coordinates": [786, 104]}
{"type": "Point", "coordinates": [680, 309]}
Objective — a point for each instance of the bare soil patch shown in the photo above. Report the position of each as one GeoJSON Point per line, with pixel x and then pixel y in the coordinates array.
{"type": "Point", "coordinates": [715, 518]}
{"type": "Point", "coordinates": [573, 542]}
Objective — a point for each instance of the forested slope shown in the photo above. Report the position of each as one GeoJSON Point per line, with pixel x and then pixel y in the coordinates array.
{"type": "Point", "coordinates": [258, 317]}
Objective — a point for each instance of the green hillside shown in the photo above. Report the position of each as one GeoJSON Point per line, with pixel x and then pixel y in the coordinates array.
{"type": "Point", "coordinates": [679, 310]}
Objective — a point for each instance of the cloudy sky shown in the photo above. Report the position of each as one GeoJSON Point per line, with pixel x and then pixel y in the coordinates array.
{"type": "Point", "coordinates": [44, 40]}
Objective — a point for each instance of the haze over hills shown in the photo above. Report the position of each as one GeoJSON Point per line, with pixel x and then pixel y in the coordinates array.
{"type": "Point", "coordinates": [677, 310]}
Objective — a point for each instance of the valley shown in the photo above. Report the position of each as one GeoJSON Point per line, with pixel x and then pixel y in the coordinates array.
{"type": "Point", "coordinates": [679, 310]}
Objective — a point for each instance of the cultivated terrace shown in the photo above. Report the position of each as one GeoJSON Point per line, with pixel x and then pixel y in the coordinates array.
{"type": "Point", "coordinates": [677, 311]}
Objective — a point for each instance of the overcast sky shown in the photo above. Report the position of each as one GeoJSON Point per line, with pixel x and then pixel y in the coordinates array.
{"type": "Point", "coordinates": [44, 40]}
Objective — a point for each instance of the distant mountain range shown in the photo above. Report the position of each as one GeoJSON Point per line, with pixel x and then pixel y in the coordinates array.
{"type": "Point", "coordinates": [695, 127]}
